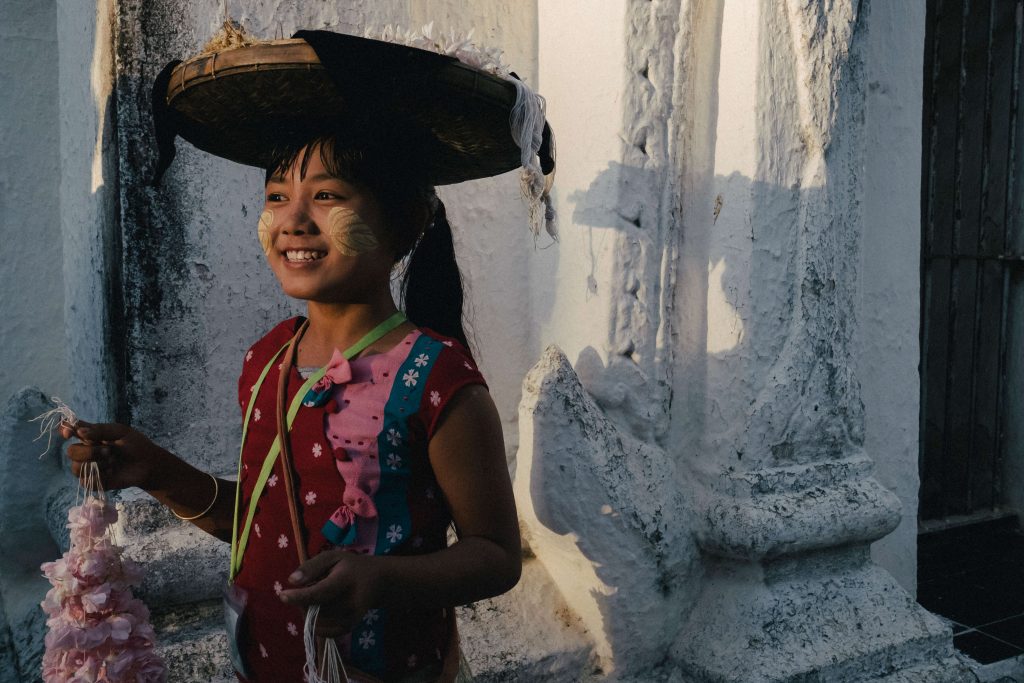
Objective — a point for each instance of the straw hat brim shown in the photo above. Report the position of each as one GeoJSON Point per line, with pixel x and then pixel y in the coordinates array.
{"type": "Point", "coordinates": [240, 103]}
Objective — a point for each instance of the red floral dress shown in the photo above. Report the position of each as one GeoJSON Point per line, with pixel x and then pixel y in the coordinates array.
{"type": "Point", "coordinates": [364, 482]}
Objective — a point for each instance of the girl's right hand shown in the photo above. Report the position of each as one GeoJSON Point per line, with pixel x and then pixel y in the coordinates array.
{"type": "Point", "coordinates": [125, 457]}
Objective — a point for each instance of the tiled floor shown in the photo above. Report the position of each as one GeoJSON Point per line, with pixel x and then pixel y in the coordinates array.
{"type": "Point", "coordinates": [974, 576]}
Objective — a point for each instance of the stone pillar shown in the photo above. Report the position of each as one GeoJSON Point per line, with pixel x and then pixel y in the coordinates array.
{"type": "Point", "coordinates": [785, 501]}
{"type": "Point", "coordinates": [692, 470]}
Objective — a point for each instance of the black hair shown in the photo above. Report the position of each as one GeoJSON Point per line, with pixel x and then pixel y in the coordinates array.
{"type": "Point", "coordinates": [417, 223]}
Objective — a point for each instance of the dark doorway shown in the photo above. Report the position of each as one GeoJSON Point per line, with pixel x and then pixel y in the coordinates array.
{"type": "Point", "coordinates": [972, 310]}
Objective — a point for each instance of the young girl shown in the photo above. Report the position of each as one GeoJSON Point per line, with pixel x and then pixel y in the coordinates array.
{"type": "Point", "coordinates": [366, 434]}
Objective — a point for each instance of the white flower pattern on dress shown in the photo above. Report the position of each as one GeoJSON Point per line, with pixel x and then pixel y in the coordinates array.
{"type": "Point", "coordinates": [448, 343]}
{"type": "Point", "coordinates": [366, 641]}
{"type": "Point", "coordinates": [435, 399]}
{"type": "Point", "coordinates": [263, 651]}
{"type": "Point", "coordinates": [317, 449]}
{"type": "Point", "coordinates": [256, 528]}
{"type": "Point", "coordinates": [422, 360]}
{"type": "Point", "coordinates": [278, 587]}
{"type": "Point", "coordinates": [468, 366]}
{"type": "Point", "coordinates": [282, 541]}
{"type": "Point", "coordinates": [311, 498]}
{"type": "Point", "coordinates": [410, 377]}
{"type": "Point", "coordinates": [272, 481]}
{"type": "Point", "coordinates": [394, 533]}
{"type": "Point", "coordinates": [292, 629]}
{"type": "Point", "coordinates": [394, 438]}
{"type": "Point", "coordinates": [248, 356]}
{"type": "Point", "coordinates": [394, 461]}
{"type": "Point", "coordinates": [372, 615]}
{"type": "Point", "coordinates": [256, 414]}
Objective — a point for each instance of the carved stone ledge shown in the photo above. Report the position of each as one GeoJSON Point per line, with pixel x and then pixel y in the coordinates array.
{"type": "Point", "coordinates": [768, 525]}
{"type": "Point", "coordinates": [830, 616]}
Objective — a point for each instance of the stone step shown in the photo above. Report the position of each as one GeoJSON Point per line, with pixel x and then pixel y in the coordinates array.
{"type": "Point", "coordinates": [192, 642]}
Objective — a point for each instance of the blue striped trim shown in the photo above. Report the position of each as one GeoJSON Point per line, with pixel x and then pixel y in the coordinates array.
{"type": "Point", "coordinates": [393, 444]}
{"type": "Point", "coordinates": [366, 646]}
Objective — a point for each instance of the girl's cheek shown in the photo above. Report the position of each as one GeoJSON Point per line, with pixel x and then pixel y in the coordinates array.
{"type": "Point", "coordinates": [349, 232]}
{"type": "Point", "coordinates": [263, 231]}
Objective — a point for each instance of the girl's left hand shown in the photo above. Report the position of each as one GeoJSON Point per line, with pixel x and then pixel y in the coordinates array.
{"type": "Point", "coordinates": [343, 583]}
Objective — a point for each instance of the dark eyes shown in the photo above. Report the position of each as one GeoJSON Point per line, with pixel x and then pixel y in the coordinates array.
{"type": "Point", "coordinates": [322, 195]}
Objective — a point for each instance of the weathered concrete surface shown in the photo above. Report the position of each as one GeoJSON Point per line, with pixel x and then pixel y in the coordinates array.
{"type": "Point", "coordinates": [24, 541]}
{"type": "Point", "coordinates": [886, 341]}
{"type": "Point", "coordinates": [605, 518]}
{"type": "Point", "coordinates": [604, 295]}
{"type": "Point", "coordinates": [193, 644]}
{"type": "Point", "coordinates": [829, 616]}
{"type": "Point", "coordinates": [31, 327]}
{"type": "Point", "coordinates": [89, 222]}
{"type": "Point", "coordinates": [528, 634]}
{"type": "Point", "coordinates": [751, 350]}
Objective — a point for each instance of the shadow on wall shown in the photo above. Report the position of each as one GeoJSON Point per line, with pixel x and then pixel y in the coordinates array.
{"type": "Point", "coordinates": [763, 328]}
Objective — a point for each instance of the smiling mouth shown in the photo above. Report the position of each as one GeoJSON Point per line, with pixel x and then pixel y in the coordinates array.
{"type": "Point", "coordinates": [303, 256]}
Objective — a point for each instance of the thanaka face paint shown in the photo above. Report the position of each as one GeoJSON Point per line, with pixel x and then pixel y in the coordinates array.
{"type": "Point", "coordinates": [263, 231]}
{"type": "Point", "coordinates": [349, 232]}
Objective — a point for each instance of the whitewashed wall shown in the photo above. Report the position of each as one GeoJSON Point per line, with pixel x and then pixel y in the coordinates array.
{"type": "Point", "coordinates": [889, 306]}
{"type": "Point", "coordinates": [32, 309]}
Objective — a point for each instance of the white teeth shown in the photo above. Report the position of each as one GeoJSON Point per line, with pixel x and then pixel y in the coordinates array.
{"type": "Point", "coordinates": [297, 255]}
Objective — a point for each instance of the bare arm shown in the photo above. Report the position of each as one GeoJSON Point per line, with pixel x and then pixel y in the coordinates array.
{"type": "Point", "coordinates": [126, 458]}
{"type": "Point", "coordinates": [468, 456]}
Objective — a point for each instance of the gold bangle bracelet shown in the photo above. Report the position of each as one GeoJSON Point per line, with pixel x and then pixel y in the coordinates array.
{"type": "Point", "coordinates": [216, 492]}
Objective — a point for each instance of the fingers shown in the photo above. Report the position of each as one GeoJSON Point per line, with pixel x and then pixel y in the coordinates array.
{"type": "Point", "coordinates": [315, 567]}
{"type": "Point", "coordinates": [320, 583]}
{"type": "Point", "coordinates": [68, 430]}
{"type": "Point", "coordinates": [81, 454]}
{"type": "Point", "coordinates": [107, 432]}
{"type": "Point", "coordinates": [84, 452]}
{"type": "Point", "coordinates": [315, 594]}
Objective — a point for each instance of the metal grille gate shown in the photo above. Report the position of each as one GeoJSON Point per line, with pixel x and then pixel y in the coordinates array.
{"type": "Point", "coordinates": [972, 256]}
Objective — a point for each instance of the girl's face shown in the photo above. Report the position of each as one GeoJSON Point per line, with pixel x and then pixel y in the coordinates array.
{"type": "Point", "coordinates": [324, 237]}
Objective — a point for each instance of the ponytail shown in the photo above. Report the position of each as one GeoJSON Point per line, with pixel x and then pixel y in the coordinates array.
{"type": "Point", "coordinates": [432, 283]}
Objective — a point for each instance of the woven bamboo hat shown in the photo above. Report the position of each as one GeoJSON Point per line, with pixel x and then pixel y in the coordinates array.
{"type": "Point", "coordinates": [462, 120]}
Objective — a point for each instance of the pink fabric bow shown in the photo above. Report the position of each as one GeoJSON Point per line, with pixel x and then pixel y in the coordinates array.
{"type": "Point", "coordinates": [355, 503]}
{"type": "Point", "coordinates": [338, 372]}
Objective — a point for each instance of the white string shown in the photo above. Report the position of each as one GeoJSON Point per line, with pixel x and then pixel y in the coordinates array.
{"type": "Point", "coordinates": [52, 419]}
{"type": "Point", "coordinates": [90, 485]}
{"type": "Point", "coordinates": [526, 121]}
{"type": "Point", "coordinates": [331, 669]}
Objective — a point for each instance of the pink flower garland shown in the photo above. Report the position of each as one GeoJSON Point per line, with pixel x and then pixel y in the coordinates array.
{"type": "Point", "coordinates": [98, 631]}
